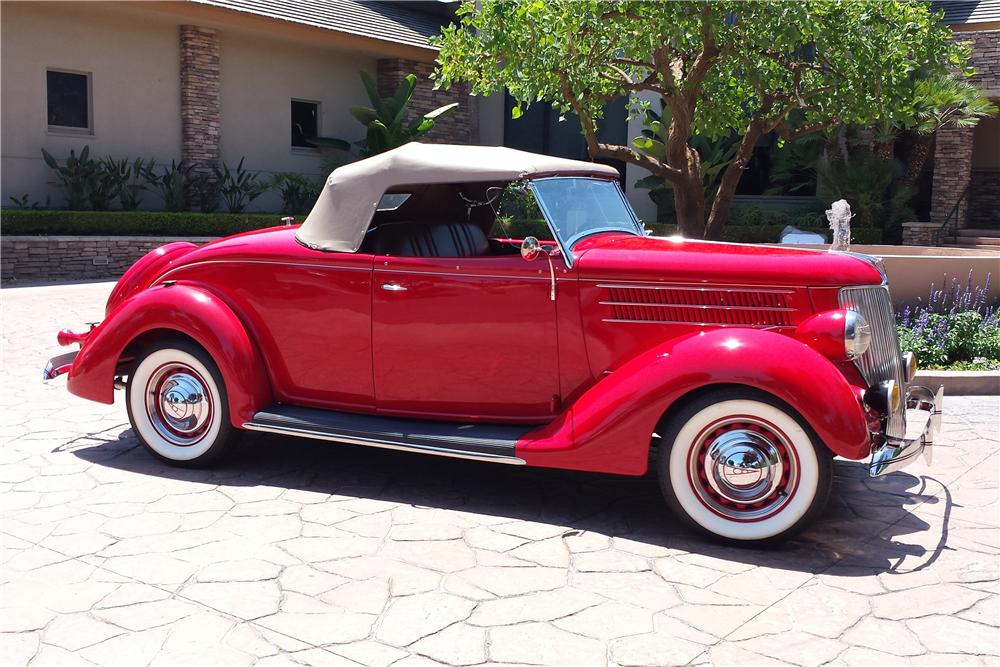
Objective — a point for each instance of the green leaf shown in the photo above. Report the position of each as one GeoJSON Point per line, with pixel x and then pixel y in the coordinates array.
{"type": "Point", "coordinates": [516, 112]}
{"type": "Point", "coordinates": [49, 160]}
{"type": "Point", "coordinates": [404, 91]}
{"type": "Point", "coordinates": [330, 142]}
{"type": "Point", "coordinates": [364, 115]}
{"type": "Point", "coordinates": [371, 87]}
{"type": "Point", "coordinates": [441, 111]}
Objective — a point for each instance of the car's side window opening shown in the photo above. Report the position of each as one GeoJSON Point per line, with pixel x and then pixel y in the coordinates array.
{"type": "Point", "coordinates": [453, 220]}
{"type": "Point", "coordinates": [518, 215]}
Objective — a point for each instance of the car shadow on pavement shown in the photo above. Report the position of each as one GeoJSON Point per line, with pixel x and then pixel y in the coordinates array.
{"type": "Point", "coordinates": [868, 527]}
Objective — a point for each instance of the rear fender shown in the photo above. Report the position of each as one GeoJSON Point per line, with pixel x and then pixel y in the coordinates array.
{"type": "Point", "coordinates": [186, 309]}
{"type": "Point", "coordinates": [148, 267]}
{"type": "Point", "coordinates": [609, 428]}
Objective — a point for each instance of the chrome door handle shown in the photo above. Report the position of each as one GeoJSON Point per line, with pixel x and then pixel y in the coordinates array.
{"type": "Point", "coordinates": [393, 287]}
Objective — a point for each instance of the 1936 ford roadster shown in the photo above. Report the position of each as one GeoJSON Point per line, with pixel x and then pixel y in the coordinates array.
{"type": "Point", "coordinates": [391, 318]}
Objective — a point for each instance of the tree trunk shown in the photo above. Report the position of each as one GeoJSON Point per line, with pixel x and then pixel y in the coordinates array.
{"type": "Point", "coordinates": [885, 149]}
{"type": "Point", "coordinates": [719, 215]}
{"type": "Point", "coordinates": [918, 158]}
{"type": "Point", "coordinates": [689, 204]}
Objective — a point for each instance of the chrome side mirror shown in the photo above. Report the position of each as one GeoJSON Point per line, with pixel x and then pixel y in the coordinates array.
{"type": "Point", "coordinates": [530, 248]}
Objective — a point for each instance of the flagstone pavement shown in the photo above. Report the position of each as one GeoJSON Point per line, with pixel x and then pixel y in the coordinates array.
{"type": "Point", "coordinates": [300, 552]}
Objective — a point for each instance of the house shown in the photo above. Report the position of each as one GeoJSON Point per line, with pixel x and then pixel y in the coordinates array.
{"type": "Point", "coordinates": [205, 81]}
{"type": "Point", "coordinates": [965, 192]}
{"type": "Point", "coordinates": [219, 80]}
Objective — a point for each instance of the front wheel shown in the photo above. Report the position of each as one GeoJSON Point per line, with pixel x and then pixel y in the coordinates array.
{"type": "Point", "coordinates": [742, 467]}
{"type": "Point", "coordinates": [177, 405]}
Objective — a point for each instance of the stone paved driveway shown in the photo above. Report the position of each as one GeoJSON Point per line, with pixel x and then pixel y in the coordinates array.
{"type": "Point", "coordinates": [321, 554]}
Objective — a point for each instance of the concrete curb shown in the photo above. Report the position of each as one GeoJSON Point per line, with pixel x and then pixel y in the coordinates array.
{"type": "Point", "coordinates": [961, 383]}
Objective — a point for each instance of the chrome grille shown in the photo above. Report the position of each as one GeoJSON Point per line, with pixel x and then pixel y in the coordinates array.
{"type": "Point", "coordinates": [882, 361]}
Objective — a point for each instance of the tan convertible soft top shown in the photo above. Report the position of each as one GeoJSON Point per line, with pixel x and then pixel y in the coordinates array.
{"type": "Point", "coordinates": [344, 210]}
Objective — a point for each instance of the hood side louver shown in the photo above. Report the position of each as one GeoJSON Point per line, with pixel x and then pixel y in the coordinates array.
{"type": "Point", "coordinates": [704, 306]}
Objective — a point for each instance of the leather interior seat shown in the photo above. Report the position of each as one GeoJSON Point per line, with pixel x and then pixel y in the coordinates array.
{"type": "Point", "coordinates": [455, 239]}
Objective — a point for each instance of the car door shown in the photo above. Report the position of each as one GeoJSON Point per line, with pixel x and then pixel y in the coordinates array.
{"type": "Point", "coordinates": [465, 338]}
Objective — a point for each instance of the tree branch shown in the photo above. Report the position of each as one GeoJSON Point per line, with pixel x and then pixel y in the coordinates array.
{"type": "Point", "coordinates": [598, 149]}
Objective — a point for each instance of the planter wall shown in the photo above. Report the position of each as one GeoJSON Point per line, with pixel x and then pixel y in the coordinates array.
{"type": "Point", "coordinates": [961, 383]}
{"type": "Point", "coordinates": [64, 258]}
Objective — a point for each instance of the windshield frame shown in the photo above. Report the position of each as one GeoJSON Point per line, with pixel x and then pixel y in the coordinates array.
{"type": "Point", "coordinates": [566, 244]}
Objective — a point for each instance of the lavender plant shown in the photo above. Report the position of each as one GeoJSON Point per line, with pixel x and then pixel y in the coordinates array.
{"type": "Point", "coordinates": [957, 327]}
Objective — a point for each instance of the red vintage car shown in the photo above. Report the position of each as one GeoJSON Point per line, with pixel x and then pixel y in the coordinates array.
{"type": "Point", "coordinates": [401, 314]}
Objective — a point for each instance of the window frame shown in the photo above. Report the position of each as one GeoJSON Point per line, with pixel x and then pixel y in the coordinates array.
{"type": "Point", "coordinates": [69, 129]}
{"type": "Point", "coordinates": [307, 150]}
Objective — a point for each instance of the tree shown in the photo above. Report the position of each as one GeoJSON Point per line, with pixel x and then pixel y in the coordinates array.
{"type": "Point", "coordinates": [721, 68]}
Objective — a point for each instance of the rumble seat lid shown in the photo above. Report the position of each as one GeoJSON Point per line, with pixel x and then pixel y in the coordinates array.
{"type": "Point", "coordinates": [345, 207]}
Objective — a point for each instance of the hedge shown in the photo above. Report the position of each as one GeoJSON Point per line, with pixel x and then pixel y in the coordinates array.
{"type": "Point", "coordinates": [771, 233]}
{"type": "Point", "coordinates": [159, 223]}
{"type": "Point", "coordinates": [132, 223]}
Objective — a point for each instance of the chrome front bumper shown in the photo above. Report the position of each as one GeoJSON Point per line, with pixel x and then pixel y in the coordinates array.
{"type": "Point", "coordinates": [923, 420]}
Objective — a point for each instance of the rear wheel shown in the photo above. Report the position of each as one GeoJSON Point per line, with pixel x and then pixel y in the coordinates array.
{"type": "Point", "coordinates": [177, 405]}
{"type": "Point", "coordinates": [742, 467]}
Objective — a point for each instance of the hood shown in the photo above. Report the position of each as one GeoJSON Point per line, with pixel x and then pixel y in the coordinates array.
{"type": "Point", "coordinates": [657, 259]}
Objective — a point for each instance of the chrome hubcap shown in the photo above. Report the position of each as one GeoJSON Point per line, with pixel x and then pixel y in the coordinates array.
{"type": "Point", "coordinates": [743, 466]}
{"type": "Point", "coordinates": [179, 404]}
{"type": "Point", "coordinates": [742, 469]}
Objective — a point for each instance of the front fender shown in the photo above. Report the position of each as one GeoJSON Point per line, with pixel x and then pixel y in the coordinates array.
{"type": "Point", "coordinates": [186, 309]}
{"type": "Point", "coordinates": [609, 428]}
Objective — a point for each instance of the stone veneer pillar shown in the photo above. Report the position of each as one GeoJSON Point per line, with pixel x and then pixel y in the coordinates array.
{"type": "Point", "coordinates": [952, 174]}
{"type": "Point", "coordinates": [461, 126]}
{"type": "Point", "coordinates": [200, 115]}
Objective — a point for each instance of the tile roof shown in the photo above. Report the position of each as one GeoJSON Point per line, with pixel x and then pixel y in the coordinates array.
{"type": "Point", "coordinates": [383, 21]}
{"type": "Point", "coordinates": [968, 11]}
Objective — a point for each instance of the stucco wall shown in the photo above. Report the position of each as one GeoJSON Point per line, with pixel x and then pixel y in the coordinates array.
{"type": "Point", "coordinates": [260, 76]}
{"type": "Point", "coordinates": [135, 87]}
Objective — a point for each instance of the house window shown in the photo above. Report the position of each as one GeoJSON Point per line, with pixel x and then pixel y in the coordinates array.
{"type": "Point", "coordinates": [69, 100]}
{"type": "Point", "coordinates": [305, 123]}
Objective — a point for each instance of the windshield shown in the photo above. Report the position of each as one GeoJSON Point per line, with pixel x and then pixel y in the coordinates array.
{"type": "Point", "coordinates": [578, 207]}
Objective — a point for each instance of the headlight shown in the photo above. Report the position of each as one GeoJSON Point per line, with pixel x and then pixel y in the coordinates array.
{"type": "Point", "coordinates": [884, 397]}
{"type": "Point", "coordinates": [857, 334]}
{"type": "Point", "coordinates": [909, 366]}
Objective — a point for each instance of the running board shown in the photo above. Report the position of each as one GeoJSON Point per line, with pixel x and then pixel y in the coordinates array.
{"type": "Point", "coordinates": [481, 442]}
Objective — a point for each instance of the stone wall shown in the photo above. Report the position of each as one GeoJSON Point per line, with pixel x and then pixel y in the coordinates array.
{"type": "Point", "coordinates": [920, 233]}
{"type": "Point", "coordinates": [985, 58]}
{"type": "Point", "coordinates": [461, 126]}
{"type": "Point", "coordinates": [952, 168]}
{"type": "Point", "coordinates": [63, 258]}
{"type": "Point", "coordinates": [984, 201]}
{"type": "Point", "coordinates": [201, 120]}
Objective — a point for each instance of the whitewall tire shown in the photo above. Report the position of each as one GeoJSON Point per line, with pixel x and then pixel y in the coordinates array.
{"type": "Point", "coordinates": [742, 467]}
{"type": "Point", "coordinates": [177, 404]}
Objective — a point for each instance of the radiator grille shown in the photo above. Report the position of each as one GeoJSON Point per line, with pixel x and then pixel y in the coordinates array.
{"type": "Point", "coordinates": [704, 306]}
{"type": "Point", "coordinates": [882, 360]}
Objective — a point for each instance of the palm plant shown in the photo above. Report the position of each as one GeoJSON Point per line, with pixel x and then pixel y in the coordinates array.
{"type": "Point", "coordinates": [133, 179]}
{"type": "Point", "coordinates": [940, 101]}
{"type": "Point", "coordinates": [239, 186]}
{"type": "Point", "coordinates": [174, 185]}
{"type": "Point", "coordinates": [77, 178]}
{"type": "Point", "coordinates": [385, 122]}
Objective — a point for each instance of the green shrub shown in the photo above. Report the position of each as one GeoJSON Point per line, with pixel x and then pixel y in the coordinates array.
{"type": "Point", "coordinates": [132, 223]}
{"type": "Point", "coordinates": [958, 327]}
